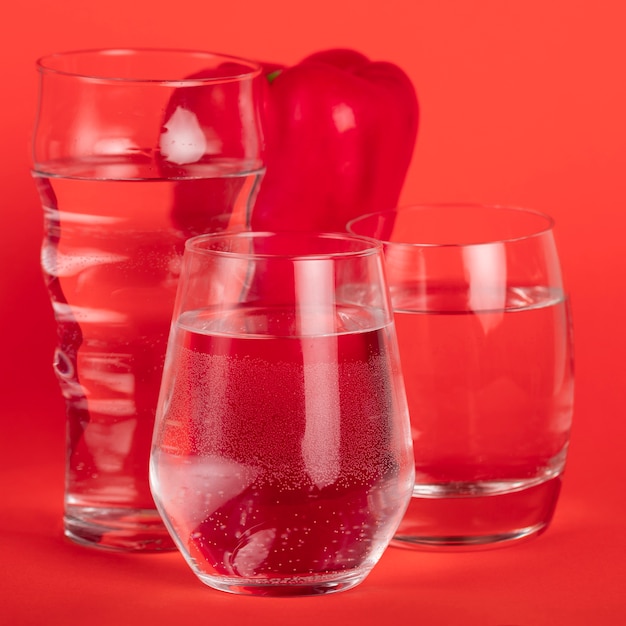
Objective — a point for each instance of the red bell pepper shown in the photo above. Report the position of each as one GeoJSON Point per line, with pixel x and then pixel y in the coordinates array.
{"type": "Point", "coordinates": [339, 136]}
{"type": "Point", "coordinates": [340, 133]}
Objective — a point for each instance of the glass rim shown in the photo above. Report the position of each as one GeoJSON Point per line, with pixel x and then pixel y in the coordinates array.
{"type": "Point", "coordinates": [548, 223]}
{"type": "Point", "coordinates": [369, 246]}
{"type": "Point", "coordinates": [45, 64]}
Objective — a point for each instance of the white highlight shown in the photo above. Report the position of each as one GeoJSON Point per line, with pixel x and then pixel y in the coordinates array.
{"type": "Point", "coordinates": [184, 140]}
{"type": "Point", "coordinates": [485, 268]}
{"type": "Point", "coordinates": [315, 286]}
{"type": "Point", "coordinates": [343, 116]}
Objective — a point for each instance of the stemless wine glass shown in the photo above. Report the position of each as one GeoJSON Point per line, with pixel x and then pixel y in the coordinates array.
{"type": "Point", "coordinates": [281, 459]}
{"type": "Point", "coordinates": [485, 341]}
{"type": "Point", "coordinates": [134, 152]}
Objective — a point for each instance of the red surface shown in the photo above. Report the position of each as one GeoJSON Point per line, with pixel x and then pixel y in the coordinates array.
{"type": "Point", "coordinates": [522, 103]}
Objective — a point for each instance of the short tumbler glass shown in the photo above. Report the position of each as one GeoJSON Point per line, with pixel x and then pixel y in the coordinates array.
{"type": "Point", "coordinates": [485, 341]}
{"type": "Point", "coordinates": [281, 460]}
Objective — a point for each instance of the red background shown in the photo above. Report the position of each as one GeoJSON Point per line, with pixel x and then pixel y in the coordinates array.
{"type": "Point", "coordinates": [522, 103]}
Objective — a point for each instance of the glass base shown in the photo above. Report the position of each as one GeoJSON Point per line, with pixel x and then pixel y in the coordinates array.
{"type": "Point", "coordinates": [285, 587]}
{"type": "Point", "coordinates": [127, 530]}
{"type": "Point", "coordinates": [484, 519]}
